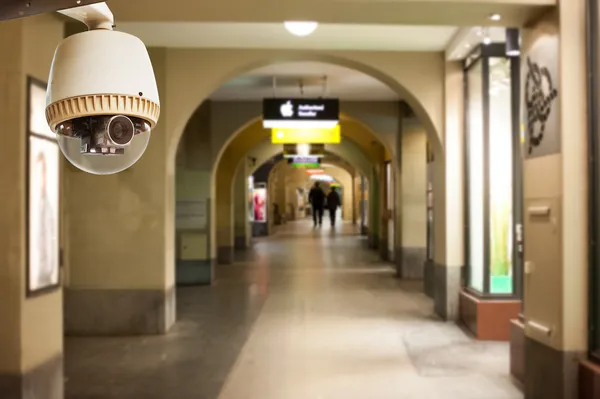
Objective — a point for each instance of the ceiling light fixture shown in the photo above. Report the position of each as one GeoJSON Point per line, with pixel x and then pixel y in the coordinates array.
{"type": "Point", "coordinates": [301, 28]}
{"type": "Point", "coordinates": [495, 17]}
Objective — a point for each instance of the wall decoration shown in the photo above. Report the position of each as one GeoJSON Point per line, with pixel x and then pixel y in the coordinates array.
{"type": "Point", "coordinates": [540, 112]}
{"type": "Point", "coordinates": [43, 196]}
{"type": "Point", "coordinates": [191, 215]}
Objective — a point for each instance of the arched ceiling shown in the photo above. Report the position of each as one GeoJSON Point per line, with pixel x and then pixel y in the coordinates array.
{"type": "Point", "coordinates": [344, 154]}
{"type": "Point", "coordinates": [253, 134]}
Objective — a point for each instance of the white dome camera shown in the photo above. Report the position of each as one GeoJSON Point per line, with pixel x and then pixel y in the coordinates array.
{"type": "Point", "coordinates": [102, 99]}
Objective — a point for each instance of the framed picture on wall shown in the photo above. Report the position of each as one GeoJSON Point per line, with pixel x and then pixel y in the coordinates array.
{"type": "Point", "coordinates": [43, 196]}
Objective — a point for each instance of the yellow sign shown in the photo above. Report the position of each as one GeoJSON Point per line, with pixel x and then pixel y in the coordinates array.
{"type": "Point", "coordinates": [306, 136]}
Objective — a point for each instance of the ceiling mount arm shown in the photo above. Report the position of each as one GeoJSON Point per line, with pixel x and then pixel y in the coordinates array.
{"type": "Point", "coordinates": [94, 16]}
{"type": "Point", "coordinates": [325, 87]}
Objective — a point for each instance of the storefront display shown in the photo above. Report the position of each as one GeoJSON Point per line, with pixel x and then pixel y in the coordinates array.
{"type": "Point", "coordinates": [492, 97]}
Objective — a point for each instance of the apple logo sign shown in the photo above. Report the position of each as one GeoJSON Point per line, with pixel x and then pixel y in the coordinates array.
{"type": "Point", "coordinates": [287, 110]}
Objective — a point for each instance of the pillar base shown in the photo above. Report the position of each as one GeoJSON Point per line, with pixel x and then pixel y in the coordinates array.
{"type": "Point", "coordinates": [99, 312]}
{"type": "Point", "coordinates": [193, 272]}
{"type": "Point", "coordinates": [383, 249]}
{"type": "Point", "coordinates": [225, 255]}
{"type": "Point", "coordinates": [44, 381]}
{"type": "Point", "coordinates": [447, 285]}
{"type": "Point", "coordinates": [240, 242]}
{"type": "Point", "coordinates": [550, 373]}
{"type": "Point", "coordinates": [260, 229]}
{"type": "Point", "coordinates": [429, 278]}
{"type": "Point", "coordinates": [488, 319]}
{"type": "Point", "coordinates": [589, 380]}
{"type": "Point", "coordinates": [517, 350]}
{"type": "Point", "coordinates": [410, 262]}
{"type": "Point", "coordinates": [373, 241]}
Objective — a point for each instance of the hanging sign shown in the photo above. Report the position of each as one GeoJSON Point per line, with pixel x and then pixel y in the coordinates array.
{"type": "Point", "coordinates": [304, 150]}
{"type": "Point", "coordinates": [304, 162]}
{"type": "Point", "coordinates": [301, 112]}
{"type": "Point", "coordinates": [306, 135]}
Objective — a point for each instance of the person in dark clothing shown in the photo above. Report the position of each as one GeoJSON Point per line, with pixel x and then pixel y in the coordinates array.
{"type": "Point", "coordinates": [316, 197]}
{"type": "Point", "coordinates": [333, 202]}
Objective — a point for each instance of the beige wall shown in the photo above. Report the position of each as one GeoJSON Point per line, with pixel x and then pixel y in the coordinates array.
{"type": "Point", "coordinates": [137, 252]}
{"type": "Point", "coordinates": [31, 332]}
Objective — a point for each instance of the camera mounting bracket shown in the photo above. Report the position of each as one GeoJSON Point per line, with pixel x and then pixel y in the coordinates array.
{"type": "Point", "coordinates": [94, 16]}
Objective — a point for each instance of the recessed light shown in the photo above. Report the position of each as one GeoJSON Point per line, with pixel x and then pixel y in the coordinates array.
{"type": "Point", "coordinates": [487, 40]}
{"type": "Point", "coordinates": [300, 28]}
{"type": "Point", "coordinates": [495, 17]}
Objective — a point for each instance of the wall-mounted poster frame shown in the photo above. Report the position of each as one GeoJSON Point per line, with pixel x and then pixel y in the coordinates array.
{"type": "Point", "coordinates": [478, 63]}
{"type": "Point", "coordinates": [43, 253]}
{"type": "Point", "coordinates": [260, 202]}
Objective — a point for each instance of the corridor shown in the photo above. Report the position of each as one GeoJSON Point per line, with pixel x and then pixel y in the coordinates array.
{"type": "Point", "coordinates": [309, 313]}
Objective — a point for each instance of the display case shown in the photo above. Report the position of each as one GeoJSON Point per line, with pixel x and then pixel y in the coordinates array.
{"type": "Point", "coordinates": [492, 185]}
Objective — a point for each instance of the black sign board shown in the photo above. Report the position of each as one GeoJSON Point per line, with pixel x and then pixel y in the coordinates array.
{"type": "Point", "coordinates": [305, 159]}
{"type": "Point", "coordinates": [301, 109]}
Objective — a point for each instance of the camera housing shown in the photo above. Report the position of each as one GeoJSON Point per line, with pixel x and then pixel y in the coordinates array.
{"type": "Point", "coordinates": [102, 100]}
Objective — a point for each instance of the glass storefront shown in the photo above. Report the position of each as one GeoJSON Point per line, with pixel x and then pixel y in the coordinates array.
{"type": "Point", "coordinates": [491, 134]}
{"type": "Point", "coordinates": [500, 177]}
{"type": "Point", "coordinates": [475, 173]}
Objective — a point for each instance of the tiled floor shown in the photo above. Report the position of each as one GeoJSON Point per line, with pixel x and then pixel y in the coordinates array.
{"type": "Point", "coordinates": [309, 314]}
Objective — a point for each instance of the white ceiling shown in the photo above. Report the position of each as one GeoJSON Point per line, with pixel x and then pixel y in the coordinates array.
{"type": "Point", "coordinates": [274, 36]}
{"type": "Point", "coordinates": [343, 83]}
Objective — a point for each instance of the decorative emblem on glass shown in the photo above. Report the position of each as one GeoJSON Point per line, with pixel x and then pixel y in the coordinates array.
{"type": "Point", "coordinates": [539, 96]}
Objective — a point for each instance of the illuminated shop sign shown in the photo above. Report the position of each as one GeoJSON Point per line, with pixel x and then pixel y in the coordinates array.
{"type": "Point", "coordinates": [297, 113]}
{"type": "Point", "coordinates": [303, 150]}
{"type": "Point", "coordinates": [304, 162]}
{"type": "Point", "coordinates": [306, 135]}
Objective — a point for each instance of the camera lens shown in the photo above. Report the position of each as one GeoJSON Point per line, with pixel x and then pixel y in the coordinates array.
{"type": "Point", "coordinates": [120, 130]}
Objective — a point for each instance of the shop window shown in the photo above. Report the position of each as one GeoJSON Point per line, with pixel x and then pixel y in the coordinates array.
{"type": "Point", "coordinates": [491, 139]}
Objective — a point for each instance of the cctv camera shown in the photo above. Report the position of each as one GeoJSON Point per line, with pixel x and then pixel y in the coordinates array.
{"type": "Point", "coordinates": [102, 99]}
{"type": "Point", "coordinates": [103, 135]}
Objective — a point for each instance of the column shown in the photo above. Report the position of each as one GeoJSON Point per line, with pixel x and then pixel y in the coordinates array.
{"type": "Point", "coordinates": [448, 191]}
{"type": "Point", "coordinates": [373, 208]}
{"type": "Point", "coordinates": [31, 332]}
{"type": "Point", "coordinates": [194, 262]}
{"type": "Point", "coordinates": [555, 203]}
{"type": "Point", "coordinates": [240, 195]}
{"type": "Point", "coordinates": [224, 181]}
{"type": "Point", "coordinates": [412, 250]}
{"type": "Point", "coordinates": [121, 252]}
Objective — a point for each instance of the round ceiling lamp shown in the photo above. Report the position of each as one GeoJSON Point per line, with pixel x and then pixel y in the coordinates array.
{"type": "Point", "coordinates": [300, 28]}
